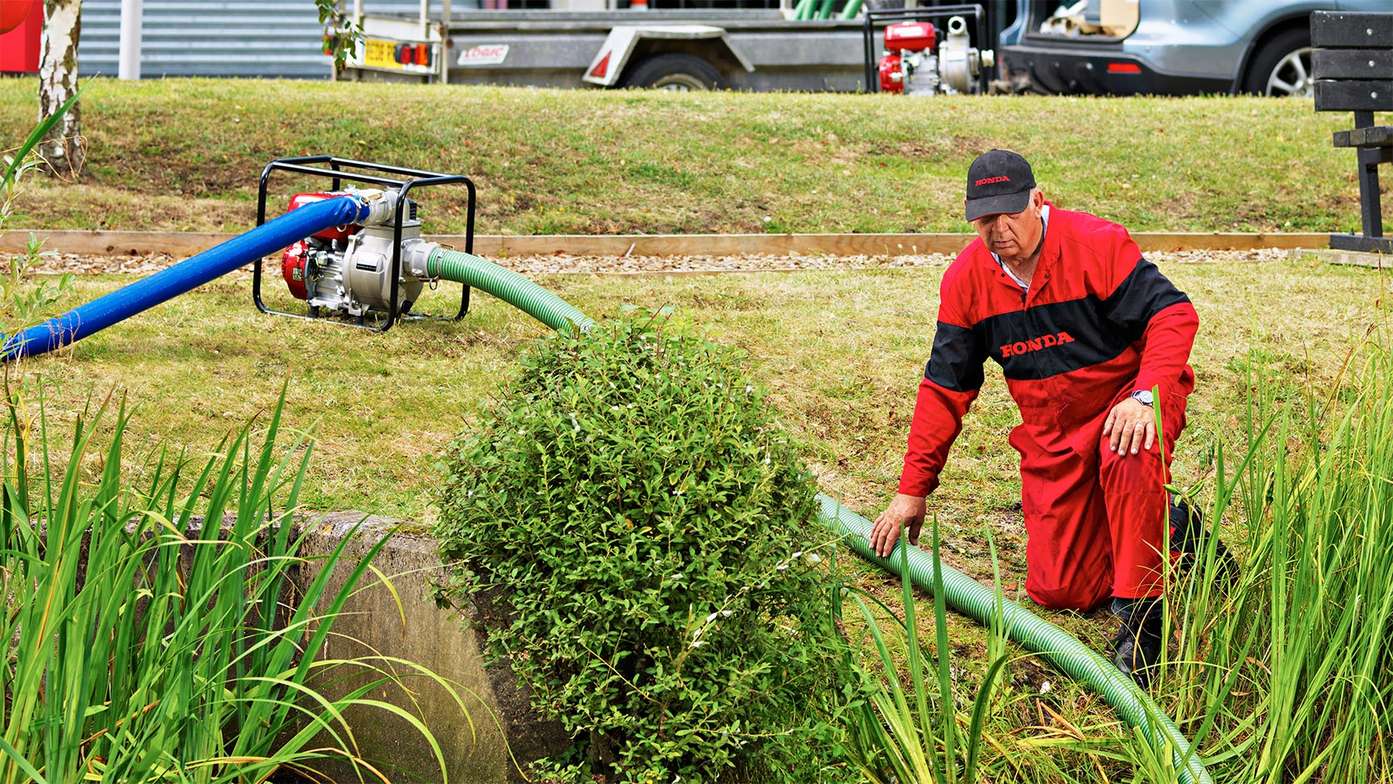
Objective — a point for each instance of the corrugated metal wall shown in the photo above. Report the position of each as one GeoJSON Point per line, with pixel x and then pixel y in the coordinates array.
{"type": "Point", "coordinates": [250, 38]}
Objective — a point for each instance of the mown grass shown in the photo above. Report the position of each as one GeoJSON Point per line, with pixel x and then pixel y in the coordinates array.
{"type": "Point", "coordinates": [841, 352]}
{"type": "Point", "coordinates": [185, 155]}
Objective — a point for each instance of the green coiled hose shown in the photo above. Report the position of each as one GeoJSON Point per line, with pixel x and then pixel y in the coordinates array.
{"type": "Point", "coordinates": [514, 289]}
{"type": "Point", "coordinates": [961, 592]}
{"type": "Point", "coordinates": [1031, 632]}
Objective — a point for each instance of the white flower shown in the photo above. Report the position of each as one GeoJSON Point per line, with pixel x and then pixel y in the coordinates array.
{"type": "Point", "coordinates": [1046, 687]}
{"type": "Point", "coordinates": [814, 559]}
{"type": "Point", "coordinates": [727, 613]}
{"type": "Point", "coordinates": [782, 567]}
{"type": "Point", "coordinates": [712, 617]}
{"type": "Point", "coordinates": [698, 643]}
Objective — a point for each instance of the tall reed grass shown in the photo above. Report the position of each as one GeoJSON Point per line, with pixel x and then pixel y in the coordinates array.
{"type": "Point", "coordinates": [1286, 671]}
{"type": "Point", "coordinates": [149, 638]}
{"type": "Point", "coordinates": [1280, 672]}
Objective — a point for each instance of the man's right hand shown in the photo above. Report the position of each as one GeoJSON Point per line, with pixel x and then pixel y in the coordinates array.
{"type": "Point", "coordinates": [905, 509]}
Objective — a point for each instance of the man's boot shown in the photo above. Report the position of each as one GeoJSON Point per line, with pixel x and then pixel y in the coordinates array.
{"type": "Point", "coordinates": [1137, 648]}
{"type": "Point", "coordinates": [1188, 539]}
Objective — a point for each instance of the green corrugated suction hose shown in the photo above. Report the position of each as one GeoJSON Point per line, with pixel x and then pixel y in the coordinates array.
{"type": "Point", "coordinates": [962, 593]}
{"type": "Point", "coordinates": [514, 289]}
{"type": "Point", "coordinates": [1031, 632]}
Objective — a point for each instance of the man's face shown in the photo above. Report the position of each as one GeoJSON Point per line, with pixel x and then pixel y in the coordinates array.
{"type": "Point", "coordinates": [1012, 235]}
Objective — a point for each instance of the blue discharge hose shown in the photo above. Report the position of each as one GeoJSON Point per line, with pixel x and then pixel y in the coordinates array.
{"type": "Point", "coordinates": [189, 274]}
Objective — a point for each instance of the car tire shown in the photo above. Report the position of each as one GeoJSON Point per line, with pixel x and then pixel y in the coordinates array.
{"type": "Point", "coordinates": [680, 72]}
{"type": "Point", "coordinates": [1282, 66]}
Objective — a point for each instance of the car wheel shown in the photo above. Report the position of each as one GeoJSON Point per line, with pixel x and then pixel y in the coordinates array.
{"type": "Point", "coordinates": [1282, 67]}
{"type": "Point", "coordinates": [678, 72]}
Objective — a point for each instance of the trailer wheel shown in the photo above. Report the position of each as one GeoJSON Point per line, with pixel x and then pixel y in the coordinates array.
{"type": "Point", "coordinates": [680, 72]}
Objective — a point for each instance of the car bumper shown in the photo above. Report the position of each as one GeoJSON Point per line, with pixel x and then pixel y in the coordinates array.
{"type": "Point", "coordinates": [1070, 71]}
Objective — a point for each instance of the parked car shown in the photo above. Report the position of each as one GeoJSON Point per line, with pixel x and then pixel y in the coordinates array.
{"type": "Point", "coordinates": [1164, 47]}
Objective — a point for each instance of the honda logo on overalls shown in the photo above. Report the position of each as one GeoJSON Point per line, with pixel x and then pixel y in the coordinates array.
{"type": "Point", "coordinates": [1035, 344]}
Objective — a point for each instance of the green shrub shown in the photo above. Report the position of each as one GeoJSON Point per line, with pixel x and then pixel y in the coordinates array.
{"type": "Point", "coordinates": [645, 525]}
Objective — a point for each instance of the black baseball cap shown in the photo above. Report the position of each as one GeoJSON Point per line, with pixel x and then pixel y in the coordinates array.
{"type": "Point", "coordinates": [998, 181]}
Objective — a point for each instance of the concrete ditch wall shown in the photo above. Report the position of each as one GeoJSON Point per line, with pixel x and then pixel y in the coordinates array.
{"type": "Point", "coordinates": [407, 622]}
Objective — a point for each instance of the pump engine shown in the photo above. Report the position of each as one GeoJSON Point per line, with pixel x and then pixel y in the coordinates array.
{"type": "Point", "coordinates": [347, 269]}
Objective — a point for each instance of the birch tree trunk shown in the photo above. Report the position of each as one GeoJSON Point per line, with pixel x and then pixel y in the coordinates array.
{"type": "Point", "coordinates": [63, 148]}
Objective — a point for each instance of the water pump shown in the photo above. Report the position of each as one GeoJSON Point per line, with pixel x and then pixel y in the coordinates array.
{"type": "Point", "coordinates": [911, 66]}
{"type": "Point", "coordinates": [372, 272]}
{"type": "Point", "coordinates": [927, 51]}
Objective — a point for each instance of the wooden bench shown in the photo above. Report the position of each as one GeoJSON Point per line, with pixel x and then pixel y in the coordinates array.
{"type": "Point", "coordinates": [1353, 67]}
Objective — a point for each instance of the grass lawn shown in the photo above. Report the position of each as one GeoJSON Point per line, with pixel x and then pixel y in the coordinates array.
{"type": "Point", "coordinates": [841, 351]}
{"type": "Point", "coordinates": [185, 155]}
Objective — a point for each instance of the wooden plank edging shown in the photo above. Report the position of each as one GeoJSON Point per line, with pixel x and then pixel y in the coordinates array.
{"type": "Point", "coordinates": [122, 243]}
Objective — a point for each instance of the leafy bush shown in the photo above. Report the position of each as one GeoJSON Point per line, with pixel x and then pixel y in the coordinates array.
{"type": "Point", "coordinates": [645, 526]}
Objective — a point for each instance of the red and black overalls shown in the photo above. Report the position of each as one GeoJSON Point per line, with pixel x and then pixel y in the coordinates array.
{"type": "Point", "coordinates": [1097, 323]}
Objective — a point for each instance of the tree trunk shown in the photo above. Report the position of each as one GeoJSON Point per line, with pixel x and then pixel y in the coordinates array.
{"type": "Point", "coordinates": [63, 150]}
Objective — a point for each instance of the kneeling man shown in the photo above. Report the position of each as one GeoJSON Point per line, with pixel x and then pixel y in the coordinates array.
{"type": "Point", "coordinates": [1084, 329]}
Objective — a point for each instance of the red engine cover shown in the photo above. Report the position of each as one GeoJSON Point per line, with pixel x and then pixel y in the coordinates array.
{"type": "Point", "coordinates": [336, 233]}
{"type": "Point", "coordinates": [293, 263]}
{"type": "Point", "coordinates": [910, 37]}
{"type": "Point", "coordinates": [891, 77]}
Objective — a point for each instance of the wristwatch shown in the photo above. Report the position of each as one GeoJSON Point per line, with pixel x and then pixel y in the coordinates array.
{"type": "Point", "coordinates": [1142, 396]}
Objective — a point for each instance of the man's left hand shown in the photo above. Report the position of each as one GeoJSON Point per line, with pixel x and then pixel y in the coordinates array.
{"type": "Point", "coordinates": [1130, 427]}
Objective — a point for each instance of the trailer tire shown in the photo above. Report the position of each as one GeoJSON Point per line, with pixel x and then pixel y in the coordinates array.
{"type": "Point", "coordinates": [675, 71]}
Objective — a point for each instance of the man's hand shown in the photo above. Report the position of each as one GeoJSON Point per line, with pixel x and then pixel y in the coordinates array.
{"type": "Point", "coordinates": [1130, 426]}
{"type": "Point", "coordinates": [886, 531]}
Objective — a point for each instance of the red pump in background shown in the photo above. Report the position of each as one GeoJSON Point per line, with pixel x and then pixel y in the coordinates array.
{"type": "Point", "coordinates": [906, 45]}
{"type": "Point", "coordinates": [920, 58]}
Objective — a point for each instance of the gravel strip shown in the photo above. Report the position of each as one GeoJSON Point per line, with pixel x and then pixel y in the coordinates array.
{"type": "Point", "coordinates": [53, 263]}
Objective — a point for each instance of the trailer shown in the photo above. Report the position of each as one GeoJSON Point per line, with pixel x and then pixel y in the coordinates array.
{"type": "Point", "coordinates": [693, 49]}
